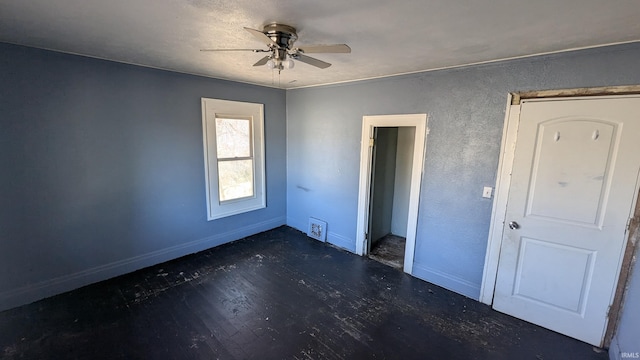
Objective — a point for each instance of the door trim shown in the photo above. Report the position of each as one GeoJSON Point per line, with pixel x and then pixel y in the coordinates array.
{"type": "Point", "coordinates": [576, 92]}
{"type": "Point", "coordinates": [499, 209]}
{"type": "Point", "coordinates": [369, 123]}
{"type": "Point", "coordinates": [503, 181]}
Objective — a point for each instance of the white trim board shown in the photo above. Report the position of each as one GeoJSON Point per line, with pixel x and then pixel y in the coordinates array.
{"type": "Point", "coordinates": [253, 113]}
{"type": "Point", "coordinates": [369, 123]}
{"type": "Point", "coordinates": [503, 183]}
{"type": "Point", "coordinates": [294, 223]}
{"type": "Point", "coordinates": [477, 63]}
{"type": "Point", "coordinates": [64, 283]}
{"type": "Point", "coordinates": [333, 238]}
{"type": "Point", "coordinates": [340, 241]}
{"type": "Point", "coordinates": [498, 212]}
{"type": "Point", "coordinates": [615, 351]}
{"type": "Point", "coordinates": [447, 281]}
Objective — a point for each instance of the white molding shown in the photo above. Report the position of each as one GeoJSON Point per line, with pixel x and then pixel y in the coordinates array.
{"type": "Point", "coordinates": [279, 87]}
{"type": "Point", "coordinates": [419, 121]}
{"type": "Point", "coordinates": [340, 241]}
{"type": "Point", "coordinates": [615, 352]}
{"type": "Point", "coordinates": [364, 185]}
{"type": "Point", "coordinates": [254, 111]}
{"type": "Point", "coordinates": [503, 183]}
{"type": "Point", "coordinates": [498, 212]}
{"type": "Point", "coordinates": [64, 283]}
{"type": "Point", "coordinates": [333, 238]}
{"type": "Point", "coordinates": [477, 63]}
{"type": "Point", "coordinates": [447, 281]}
{"type": "Point", "coordinates": [205, 143]}
{"type": "Point", "coordinates": [294, 223]}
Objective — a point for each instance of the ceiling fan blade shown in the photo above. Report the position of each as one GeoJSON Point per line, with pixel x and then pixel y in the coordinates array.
{"type": "Point", "coordinates": [262, 61]}
{"type": "Point", "coordinates": [254, 50]}
{"type": "Point", "coordinates": [334, 48]}
{"type": "Point", "coordinates": [311, 61]}
{"type": "Point", "coordinates": [262, 37]}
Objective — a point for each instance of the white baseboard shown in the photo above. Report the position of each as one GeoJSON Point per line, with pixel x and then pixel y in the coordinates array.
{"type": "Point", "coordinates": [332, 238]}
{"type": "Point", "coordinates": [61, 284]}
{"type": "Point", "coordinates": [298, 225]}
{"type": "Point", "coordinates": [447, 281]}
{"type": "Point", "coordinates": [614, 350]}
{"type": "Point", "coordinates": [341, 241]}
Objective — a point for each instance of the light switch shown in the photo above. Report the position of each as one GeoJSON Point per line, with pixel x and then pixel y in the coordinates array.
{"type": "Point", "coordinates": [487, 191]}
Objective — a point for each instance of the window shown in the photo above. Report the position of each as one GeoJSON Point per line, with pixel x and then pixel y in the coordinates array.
{"type": "Point", "coordinates": [234, 156]}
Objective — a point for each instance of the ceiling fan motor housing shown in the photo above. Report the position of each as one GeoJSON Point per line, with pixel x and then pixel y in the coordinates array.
{"type": "Point", "coordinates": [283, 35]}
{"type": "Point", "coordinates": [280, 39]}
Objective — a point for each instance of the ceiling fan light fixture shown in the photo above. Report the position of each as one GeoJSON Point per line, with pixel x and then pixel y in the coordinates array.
{"type": "Point", "coordinates": [280, 64]}
{"type": "Point", "coordinates": [280, 39]}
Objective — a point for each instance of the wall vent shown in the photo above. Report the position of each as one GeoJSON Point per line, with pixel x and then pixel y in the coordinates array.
{"type": "Point", "coordinates": [317, 229]}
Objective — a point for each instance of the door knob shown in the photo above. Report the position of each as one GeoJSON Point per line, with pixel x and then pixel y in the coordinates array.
{"type": "Point", "coordinates": [514, 225]}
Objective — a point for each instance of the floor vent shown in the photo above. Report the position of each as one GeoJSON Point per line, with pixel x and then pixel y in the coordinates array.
{"type": "Point", "coordinates": [317, 229]}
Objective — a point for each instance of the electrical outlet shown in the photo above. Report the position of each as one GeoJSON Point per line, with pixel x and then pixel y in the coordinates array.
{"type": "Point", "coordinates": [487, 192]}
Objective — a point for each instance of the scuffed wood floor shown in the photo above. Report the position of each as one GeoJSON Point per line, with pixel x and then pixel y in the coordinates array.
{"type": "Point", "coordinates": [275, 295]}
{"type": "Point", "coordinates": [390, 251]}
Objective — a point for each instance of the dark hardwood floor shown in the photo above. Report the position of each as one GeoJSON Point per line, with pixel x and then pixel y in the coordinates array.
{"type": "Point", "coordinates": [275, 295]}
{"type": "Point", "coordinates": [389, 250]}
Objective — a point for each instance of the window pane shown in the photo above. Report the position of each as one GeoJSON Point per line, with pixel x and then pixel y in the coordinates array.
{"type": "Point", "coordinates": [235, 179]}
{"type": "Point", "coordinates": [233, 138]}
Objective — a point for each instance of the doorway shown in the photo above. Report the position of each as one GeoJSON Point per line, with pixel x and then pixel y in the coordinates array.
{"type": "Point", "coordinates": [392, 154]}
{"type": "Point", "coordinates": [390, 184]}
{"type": "Point", "coordinates": [567, 189]}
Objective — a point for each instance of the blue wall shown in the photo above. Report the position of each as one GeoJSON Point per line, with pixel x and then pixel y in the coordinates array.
{"type": "Point", "coordinates": [103, 172]}
{"type": "Point", "coordinates": [102, 163]}
{"type": "Point", "coordinates": [466, 114]}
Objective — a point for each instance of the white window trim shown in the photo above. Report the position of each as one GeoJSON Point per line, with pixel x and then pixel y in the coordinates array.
{"type": "Point", "coordinates": [211, 107]}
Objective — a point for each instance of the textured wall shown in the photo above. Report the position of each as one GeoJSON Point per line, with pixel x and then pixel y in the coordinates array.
{"type": "Point", "coordinates": [466, 114]}
{"type": "Point", "coordinates": [402, 188]}
{"type": "Point", "coordinates": [102, 169]}
{"type": "Point", "coordinates": [384, 180]}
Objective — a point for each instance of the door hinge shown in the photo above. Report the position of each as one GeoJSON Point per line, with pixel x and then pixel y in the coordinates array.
{"type": "Point", "coordinates": [628, 225]}
{"type": "Point", "coordinates": [428, 131]}
{"type": "Point", "coordinates": [608, 310]}
{"type": "Point", "coordinates": [371, 142]}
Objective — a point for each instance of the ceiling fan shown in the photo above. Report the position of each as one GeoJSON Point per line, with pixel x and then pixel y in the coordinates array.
{"type": "Point", "coordinates": [279, 39]}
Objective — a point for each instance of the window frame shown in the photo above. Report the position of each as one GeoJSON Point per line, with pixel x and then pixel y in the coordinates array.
{"type": "Point", "coordinates": [251, 156]}
{"type": "Point", "coordinates": [254, 112]}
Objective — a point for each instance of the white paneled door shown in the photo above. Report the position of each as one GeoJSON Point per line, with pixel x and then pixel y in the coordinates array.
{"type": "Point", "coordinates": [573, 185]}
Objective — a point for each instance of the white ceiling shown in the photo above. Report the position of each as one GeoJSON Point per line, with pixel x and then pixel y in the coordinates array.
{"type": "Point", "coordinates": [386, 37]}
